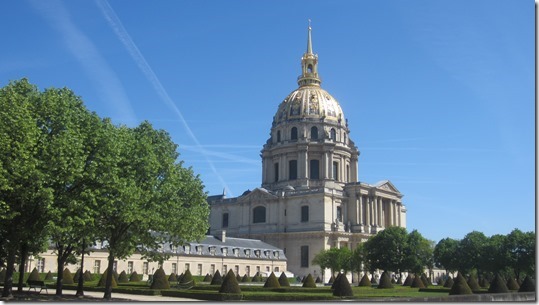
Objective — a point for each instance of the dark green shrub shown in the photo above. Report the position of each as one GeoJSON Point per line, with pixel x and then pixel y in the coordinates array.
{"type": "Point", "coordinates": [425, 280]}
{"type": "Point", "coordinates": [498, 285]}
{"type": "Point", "coordinates": [68, 277]}
{"type": "Point", "coordinates": [187, 278]}
{"type": "Point", "coordinates": [217, 278]}
{"type": "Point", "coordinates": [460, 286]}
{"type": "Point", "coordinates": [180, 277]}
{"type": "Point", "coordinates": [318, 280]}
{"type": "Point", "coordinates": [122, 278]}
{"type": "Point", "coordinates": [283, 280]}
{"type": "Point", "coordinates": [238, 278]}
{"type": "Point", "coordinates": [473, 284]}
{"type": "Point", "coordinates": [173, 277]}
{"type": "Point", "coordinates": [528, 285]}
{"type": "Point", "coordinates": [449, 283]}
{"type": "Point", "coordinates": [365, 282]}
{"type": "Point", "coordinates": [87, 276]}
{"type": "Point", "coordinates": [272, 282]}
{"type": "Point", "coordinates": [246, 279]}
{"type": "Point", "coordinates": [417, 282]}
{"type": "Point", "coordinates": [335, 280]}
{"type": "Point", "coordinates": [309, 282]}
{"type": "Point", "coordinates": [257, 278]}
{"type": "Point", "coordinates": [134, 277]}
{"type": "Point", "coordinates": [373, 279]}
{"type": "Point", "coordinates": [76, 276]}
{"type": "Point", "coordinates": [484, 282]}
{"type": "Point", "coordinates": [408, 281]}
{"type": "Point", "coordinates": [342, 288]}
{"type": "Point", "coordinates": [34, 276]}
{"type": "Point", "coordinates": [115, 275]}
{"type": "Point", "coordinates": [2, 275]}
{"type": "Point", "coordinates": [512, 284]}
{"type": "Point", "coordinates": [440, 282]}
{"type": "Point", "coordinates": [49, 277]}
{"type": "Point", "coordinates": [385, 281]}
{"type": "Point", "coordinates": [207, 278]}
{"type": "Point", "coordinates": [393, 281]}
{"type": "Point", "coordinates": [160, 280]}
{"type": "Point", "coordinates": [331, 280]}
{"type": "Point", "coordinates": [103, 280]}
{"type": "Point", "coordinates": [230, 284]}
{"type": "Point", "coordinates": [399, 281]}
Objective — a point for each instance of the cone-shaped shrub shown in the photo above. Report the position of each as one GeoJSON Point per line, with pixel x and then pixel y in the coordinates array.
{"type": "Point", "coordinates": [318, 280]}
{"type": "Point", "coordinates": [498, 285]}
{"type": "Point", "coordinates": [460, 286]}
{"type": "Point", "coordinates": [512, 284]}
{"type": "Point", "coordinates": [2, 275]}
{"type": "Point", "coordinates": [473, 284]}
{"type": "Point", "coordinates": [272, 282]}
{"type": "Point", "coordinates": [385, 281]}
{"type": "Point", "coordinates": [230, 284]}
{"type": "Point", "coordinates": [393, 281]}
{"type": "Point", "coordinates": [187, 278]}
{"type": "Point", "coordinates": [76, 276]}
{"type": "Point", "coordinates": [408, 281]}
{"type": "Point", "coordinates": [34, 276]}
{"type": "Point", "coordinates": [365, 282]}
{"type": "Point", "coordinates": [257, 278]}
{"type": "Point", "coordinates": [115, 275]}
{"type": "Point", "coordinates": [246, 278]}
{"type": "Point", "coordinates": [425, 280]}
{"type": "Point", "coordinates": [440, 282]}
{"type": "Point", "coordinates": [449, 282]}
{"type": "Point", "coordinates": [528, 285]}
{"type": "Point", "coordinates": [283, 280]}
{"type": "Point", "coordinates": [88, 276]}
{"type": "Point", "coordinates": [134, 277]}
{"type": "Point", "coordinates": [49, 277]}
{"type": "Point", "coordinates": [103, 280]}
{"type": "Point", "coordinates": [217, 278]}
{"type": "Point", "coordinates": [373, 279]}
{"type": "Point", "coordinates": [399, 281]}
{"type": "Point", "coordinates": [238, 277]}
{"type": "Point", "coordinates": [484, 282]}
{"type": "Point", "coordinates": [68, 277]}
{"type": "Point", "coordinates": [122, 278]}
{"type": "Point", "coordinates": [342, 288]}
{"type": "Point", "coordinates": [160, 280]}
{"type": "Point", "coordinates": [173, 277]}
{"type": "Point", "coordinates": [331, 280]}
{"type": "Point", "coordinates": [180, 277]}
{"type": "Point", "coordinates": [207, 278]}
{"type": "Point", "coordinates": [417, 282]}
{"type": "Point", "coordinates": [309, 282]}
{"type": "Point", "coordinates": [335, 281]}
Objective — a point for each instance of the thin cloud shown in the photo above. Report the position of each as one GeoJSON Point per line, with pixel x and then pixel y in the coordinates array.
{"type": "Point", "coordinates": [116, 24]}
{"type": "Point", "coordinates": [82, 48]}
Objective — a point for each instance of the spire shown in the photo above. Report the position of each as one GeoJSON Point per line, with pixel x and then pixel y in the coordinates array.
{"type": "Point", "coordinates": [309, 64]}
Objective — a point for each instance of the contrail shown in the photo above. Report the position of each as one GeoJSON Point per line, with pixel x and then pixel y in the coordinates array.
{"type": "Point", "coordinates": [137, 56]}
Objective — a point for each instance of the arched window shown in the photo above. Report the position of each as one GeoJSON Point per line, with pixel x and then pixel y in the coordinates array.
{"type": "Point", "coordinates": [294, 134]}
{"type": "Point", "coordinates": [310, 68]}
{"type": "Point", "coordinates": [278, 136]}
{"type": "Point", "coordinates": [259, 215]}
{"type": "Point", "coordinates": [333, 134]}
{"type": "Point", "coordinates": [314, 133]}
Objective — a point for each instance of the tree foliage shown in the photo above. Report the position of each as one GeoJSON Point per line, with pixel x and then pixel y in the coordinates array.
{"type": "Point", "coordinates": [386, 250]}
{"type": "Point", "coordinates": [445, 254]}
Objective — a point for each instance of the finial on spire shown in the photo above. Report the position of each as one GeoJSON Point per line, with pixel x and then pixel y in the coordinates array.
{"type": "Point", "coordinates": [309, 43]}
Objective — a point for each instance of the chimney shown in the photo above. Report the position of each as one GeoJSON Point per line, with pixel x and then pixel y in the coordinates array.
{"type": "Point", "coordinates": [222, 237]}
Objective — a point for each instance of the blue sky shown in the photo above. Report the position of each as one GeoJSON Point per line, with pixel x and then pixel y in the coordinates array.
{"type": "Point", "coordinates": [439, 95]}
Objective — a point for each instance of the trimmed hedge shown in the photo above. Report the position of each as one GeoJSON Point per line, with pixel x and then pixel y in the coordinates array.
{"type": "Point", "coordinates": [425, 280]}
{"type": "Point", "coordinates": [449, 282]}
{"type": "Point", "coordinates": [246, 279]}
{"type": "Point", "coordinates": [460, 286]}
{"type": "Point", "coordinates": [331, 280]}
{"type": "Point", "coordinates": [87, 276]}
{"type": "Point", "coordinates": [365, 282]}
{"type": "Point", "coordinates": [103, 280]}
{"type": "Point", "coordinates": [498, 285]}
{"type": "Point", "coordinates": [408, 281]}
{"type": "Point", "coordinates": [187, 278]}
{"type": "Point", "coordinates": [473, 284]}
{"type": "Point", "coordinates": [217, 278]}
{"type": "Point", "coordinates": [417, 282]}
{"type": "Point", "coordinates": [173, 277]}
{"type": "Point", "coordinates": [49, 277]}
{"type": "Point", "coordinates": [134, 277]}
{"type": "Point", "coordinates": [68, 278]}
{"type": "Point", "coordinates": [512, 284]}
{"type": "Point", "coordinates": [207, 278]}
{"type": "Point", "coordinates": [76, 276]}
{"type": "Point", "coordinates": [335, 281]}
{"type": "Point", "coordinates": [342, 287]}
{"type": "Point", "coordinates": [230, 284]}
{"type": "Point", "coordinates": [528, 285]}
{"type": "Point", "coordinates": [122, 278]}
{"type": "Point", "coordinates": [385, 281]}
{"type": "Point", "coordinates": [309, 282]}
{"type": "Point", "coordinates": [272, 282]}
{"type": "Point", "coordinates": [283, 280]}
{"type": "Point", "coordinates": [160, 280]}
{"type": "Point", "coordinates": [34, 276]}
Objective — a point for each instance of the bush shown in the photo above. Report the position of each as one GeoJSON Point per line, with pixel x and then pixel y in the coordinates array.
{"type": "Point", "coordinates": [460, 286]}
{"type": "Point", "coordinates": [528, 285]}
{"type": "Point", "coordinates": [246, 279]}
{"type": "Point", "coordinates": [440, 282]}
{"type": "Point", "coordinates": [34, 276]}
{"type": "Point", "coordinates": [103, 280]}
{"type": "Point", "coordinates": [417, 282]}
{"type": "Point", "coordinates": [217, 278]}
{"type": "Point", "coordinates": [473, 284]}
{"type": "Point", "coordinates": [87, 276]}
{"type": "Point", "coordinates": [115, 275]}
{"type": "Point", "coordinates": [173, 277]}
{"type": "Point", "coordinates": [385, 281]}
{"type": "Point", "coordinates": [331, 280]}
{"type": "Point", "coordinates": [207, 278]}
{"type": "Point", "coordinates": [335, 280]}
{"type": "Point", "coordinates": [272, 282]}
{"type": "Point", "coordinates": [342, 287]}
{"type": "Point", "coordinates": [49, 277]}
{"type": "Point", "coordinates": [512, 284]}
{"type": "Point", "coordinates": [68, 278]}
{"type": "Point", "coordinates": [365, 282]}
{"type": "Point", "coordinates": [449, 283]}
{"type": "Point", "coordinates": [283, 280]}
{"type": "Point", "coordinates": [309, 282]}
{"type": "Point", "coordinates": [408, 281]}
{"type": "Point", "coordinates": [484, 282]}
{"type": "Point", "coordinates": [425, 280]}
{"type": "Point", "coordinates": [122, 278]}
{"type": "Point", "coordinates": [318, 280]}
{"type": "Point", "coordinates": [498, 285]}
{"type": "Point", "coordinates": [134, 277]}
{"type": "Point", "coordinates": [230, 284]}
{"type": "Point", "coordinates": [373, 279]}
{"type": "Point", "coordinates": [257, 278]}
{"type": "Point", "coordinates": [187, 278]}
{"type": "Point", "coordinates": [76, 276]}
{"type": "Point", "coordinates": [238, 278]}
{"type": "Point", "coordinates": [160, 280]}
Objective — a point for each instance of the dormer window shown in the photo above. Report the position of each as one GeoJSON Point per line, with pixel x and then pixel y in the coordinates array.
{"type": "Point", "coordinates": [224, 251]}
{"type": "Point", "coordinates": [212, 250]}
{"type": "Point", "coordinates": [257, 253]}
{"type": "Point", "coordinates": [199, 250]}
{"type": "Point", "coordinates": [236, 251]}
{"type": "Point", "coordinates": [187, 249]}
{"type": "Point", "coordinates": [248, 252]}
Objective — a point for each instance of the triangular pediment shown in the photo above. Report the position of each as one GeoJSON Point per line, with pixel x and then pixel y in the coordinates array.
{"type": "Point", "coordinates": [258, 194]}
{"type": "Point", "coordinates": [386, 185]}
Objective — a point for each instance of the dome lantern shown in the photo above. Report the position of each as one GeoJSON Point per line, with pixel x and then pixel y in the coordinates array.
{"type": "Point", "coordinates": [309, 65]}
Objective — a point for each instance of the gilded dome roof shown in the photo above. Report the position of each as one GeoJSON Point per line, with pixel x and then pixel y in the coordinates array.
{"type": "Point", "coordinates": [311, 103]}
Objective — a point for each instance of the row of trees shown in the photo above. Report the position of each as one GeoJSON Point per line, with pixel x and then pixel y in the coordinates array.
{"type": "Point", "coordinates": [70, 178]}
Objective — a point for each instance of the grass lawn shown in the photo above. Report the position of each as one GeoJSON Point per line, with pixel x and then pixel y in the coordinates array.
{"type": "Point", "coordinates": [397, 291]}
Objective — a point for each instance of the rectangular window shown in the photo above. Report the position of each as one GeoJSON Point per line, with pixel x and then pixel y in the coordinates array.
{"type": "Point", "coordinates": [276, 269]}
{"type": "Point", "coordinates": [41, 265]}
{"type": "Point", "coordinates": [314, 169]}
{"type": "Point", "coordinates": [268, 269]}
{"type": "Point", "coordinates": [186, 267]}
{"type": "Point", "coordinates": [292, 170]}
{"type": "Point", "coordinates": [304, 257]}
{"type": "Point", "coordinates": [248, 270]}
{"type": "Point", "coordinates": [212, 269]}
{"type": "Point", "coordinates": [347, 173]}
{"type": "Point", "coordinates": [258, 269]}
{"type": "Point", "coordinates": [336, 171]}
{"type": "Point", "coordinates": [276, 171]}
{"type": "Point", "coordinates": [199, 269]}
{"type": "Point", "coordinates": [115, 266]}
{"type": "Point", "coordinates": [237, 269]}
{"type": "Point", "coordinates": [145, 268]}
{"type": "Point", "coordinates": [339, 214]}
{"type": "Point", "coordinates": [305, 213]}
{"type": "Point", "coordinates": [225, 220]}
{"type": "Point", "coordinates": [225, 267]}
{"type": "Point", "coordinates": [129, 267]}
{"type": "Point", "coordinates": [97, 267]}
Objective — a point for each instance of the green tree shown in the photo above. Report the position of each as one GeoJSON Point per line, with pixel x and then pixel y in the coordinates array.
{"type": "Point", "coordinates": [445, 254]}
{"type": "Point", "coordinates": [470, 252]}
{"type": "Point", "coordinates": [495, 256]}
{"type": "Point", "coordinates": [358, 258]}
{"type": "Point", "coordinates": [520, 250]}
{"type": "Point", "coordinates": [386, 250]}
{"type": "Point", "coordinates": [418, 252]}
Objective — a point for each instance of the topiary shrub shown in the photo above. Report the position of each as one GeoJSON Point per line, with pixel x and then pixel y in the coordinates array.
{"type": "Point", "coordinates": [365, 282]}
{"type": "Point", "coordinates": [257, 278]}
{"type": "Point", "coordinates": [393, 281]}
{"type": "Point", "coordinates": [498, 285]}
{"type": "Point", "coordinates": [473, 284]}
{"type": "Point", "coordinates": [134, 277]}
{"type": "Point", "coordinates": [283, 280]}
{"type": "Point", "coordinates": [408, 281]}
{"type": "Point", "coordinates": [318, 280]}
{"type": "Point", "coordinates": [87, 276]}
{"type": "Point", "coordinates": [342, 287]}
{"type": "Point", "coordinates": [385, 281]}
{"type": "Point", "coordinates": [122, 278]}
{"type": "Point", "coordinates": [512, 284]}
{"type": "Point", "coordinates": [160, 280]}
{"type": "Point", "coordinates": [180, 277]}
{"type": "Point", "coordinates": [217, 278]}
{"type": "Point", "coordinates": [207, 278]}
{"type": "Point", "coordinates": [309, 282]}
{"type": "Point", "coordinates": [187, 278]}
{"type": "Point", "coordinates": [34, 276]}
{"type": "Point", "coordinates": [440, 282]}
{"type": "Point", "coordinates": [246, 279]}
{"type": "Point", "coordinates": [238, 277]}
{"type": "Point", "coordinates": [68, 277]}
{"type": "Point", "coordinates": [417, 282]}
{"type": "Point", "coordinates": [449, 282]}
{"type": "Point", "coordinates": [230, 284]}
{"type": "Point", "coordinates": [331, 280]}
{"type": "Point", "coordinates": [528, 285]}
{"type": "Point", "coordinates": [103, 279]}
{"type": "Point", "coordinates": [460, 286]}
{"type": "Point", "coordinates": [336, 280]}
{"type": "Point", "coordinates": [484, 282]}
{"type": "Point", "coordinates": [49, 277]}
{"type": "Point", "coordinates": [76, 276]}
{"type": "Point", "coordinates": [399, 281]}
{"type": "Point", "coordinates": [425, 280]}
{"type": "Point", "coordinates": [173, 277]}
{"type": "Point", "coordinates": [272, 282]}
{"type": "Point", "coordinates": [115, 275]}
{"type": "Point", "coordinates": [373, 279]}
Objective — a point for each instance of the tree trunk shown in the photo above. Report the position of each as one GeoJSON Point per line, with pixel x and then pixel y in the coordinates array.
{"type": "Point", "coordinates": [80, 286]}
{"type": "Point", "coordinates": [8, 280]}
{"type": "Point", "coordinates": [108, 283]}
{"type": "Point", "coordinates": [59, 281]}
{"type": "Point", "coordinates": [22, 265]}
